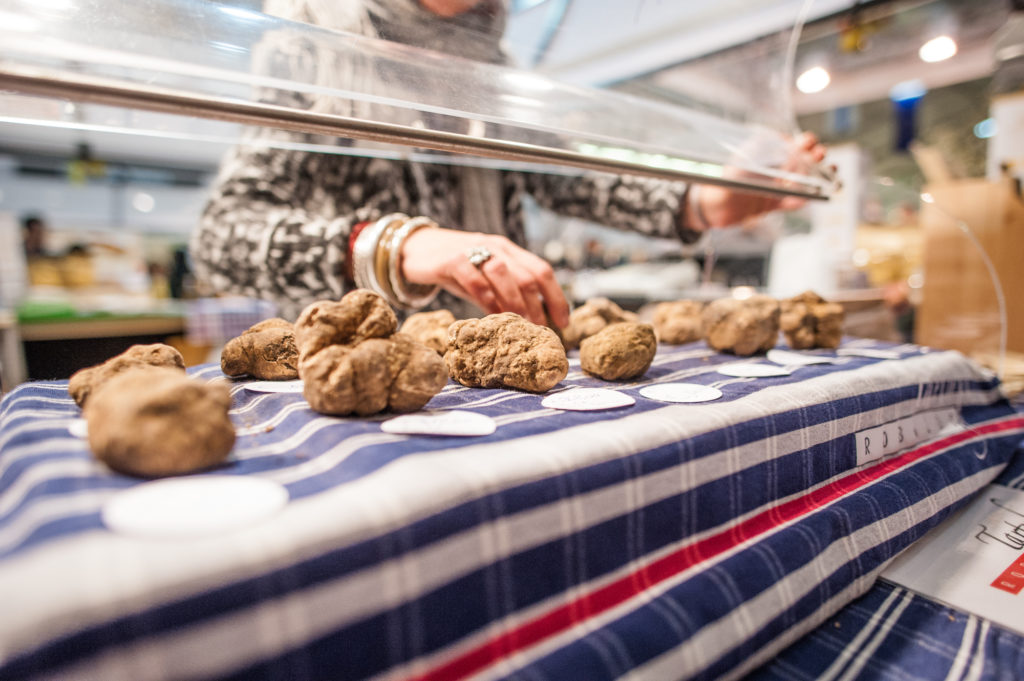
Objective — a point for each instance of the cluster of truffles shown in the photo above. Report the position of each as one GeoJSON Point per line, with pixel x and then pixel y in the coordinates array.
{"type": "Point", "coordinates": [352, 361]}
{"type": "Point", "coordinates": [750, 326]}
{"type": "Point", "coordinates": [146, 417]}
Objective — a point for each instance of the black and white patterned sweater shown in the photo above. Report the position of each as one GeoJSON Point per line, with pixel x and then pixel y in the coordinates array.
{"type": "Point", "coordinates": [278, 222]}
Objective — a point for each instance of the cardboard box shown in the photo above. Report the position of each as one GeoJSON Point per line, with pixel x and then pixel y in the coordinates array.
{"type": "Point", "coordinates": [959, 308]}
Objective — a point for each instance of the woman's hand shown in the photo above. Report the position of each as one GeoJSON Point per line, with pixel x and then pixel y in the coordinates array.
{"type": "Point", "coordinates": [724, 206]}
{"type": "Point", "coordinates": [511, 280]}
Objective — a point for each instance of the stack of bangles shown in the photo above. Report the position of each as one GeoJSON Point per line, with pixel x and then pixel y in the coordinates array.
{"type": "Point", "coordinates": [375, 255]}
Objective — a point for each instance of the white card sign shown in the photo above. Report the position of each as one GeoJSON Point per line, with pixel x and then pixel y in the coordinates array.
{"type": "Point", "coordinates": [587, 399]}
{"type": "Point", "coordinates": [457, 422]}
{"type": "Point", "coordinates": [192, 506]}
{"type": "Point", "coordinates": [741, 370]}
{"type": "Point", "coordinates": [680, 392]}
{"type": "Point", "coordinates": [274, 386]}
{"type": "Point", "coordinates": [973, 561]}
{"type": "Point", "coordinates": [889, 438]}
{"type": "Point", "coordinates": [788, 358]}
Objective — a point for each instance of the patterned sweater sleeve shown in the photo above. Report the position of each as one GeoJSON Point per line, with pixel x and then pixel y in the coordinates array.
{"type": "Point", "coordinates": [645, 205]}
{"type": "Point", "coordinates": [278, 222]}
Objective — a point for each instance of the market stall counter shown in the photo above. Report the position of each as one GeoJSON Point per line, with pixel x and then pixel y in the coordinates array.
{"type": "Point", "coordinates": [671, 539]}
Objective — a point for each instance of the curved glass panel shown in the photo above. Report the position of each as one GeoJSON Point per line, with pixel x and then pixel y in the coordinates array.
{"type": "Point", "coordinates": [212, 61]}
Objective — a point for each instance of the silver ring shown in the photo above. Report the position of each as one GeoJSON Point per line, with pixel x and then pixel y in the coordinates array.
{"type": "Point", "coordinates": [478, 255]}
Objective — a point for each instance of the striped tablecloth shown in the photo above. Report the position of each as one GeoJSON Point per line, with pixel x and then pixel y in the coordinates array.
{"type": "Point", "coordinates": [893, 634]}
{"type": "Point", "coordinates": [670, 540]}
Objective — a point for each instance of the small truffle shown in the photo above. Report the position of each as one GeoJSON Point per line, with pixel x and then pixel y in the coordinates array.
{"type": "Point", "coordinates": [809, 321]}
{"type": "Point", "coordinates": [430, 328]}
{"type": "Point", "coordinates": [742, 327]}
{"type": "Point", "coordinates": [86, 381]}
{"type": "Point", "coordinates": [505, 351]}
{"type": "Point", "coordinates": [591, 317]}
{"type": "Point", "coordinates": [619, 351]}
{"type": "Point", "coordinates": [360, 314]}
{"type": "Point", "coordinates": [678, 322]}
{"type": "Point", "coordinates": [266, 351]}
{"type": "Point", "coordinates": [351, 361]}
{"type": "Point", "coordinates": [395, 373]}
{"type": "Point", "coordinates": [155, 421]}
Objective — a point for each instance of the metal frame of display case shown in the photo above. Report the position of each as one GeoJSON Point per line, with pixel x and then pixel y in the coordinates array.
{"type": "Point", "coordinates": [84, 53]}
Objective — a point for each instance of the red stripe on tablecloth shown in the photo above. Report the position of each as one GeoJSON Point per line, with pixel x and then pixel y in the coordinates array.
{"type": "Point", "coordinates": [622, 589]}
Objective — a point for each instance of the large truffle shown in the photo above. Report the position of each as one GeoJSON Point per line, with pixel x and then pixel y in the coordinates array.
{"type": "Point", "coordinates": [155, 421]}
{"type": "Point", "coordinates": [266, 351]}
{"type": "Point", "coordinates": [352, 362]}
{"type": "Point", "coordinates": [809, 321]}
{"type": "Point", "coordinates": [679, 321]}
{"type": "Point", "coordinates": [591, 317]}
{"type": "Point", "coordinates": [505, 351]}
{"type": "Point", "coordinates": [395, 373]}
{"type": "Point", "coordinates": [742, 327]}
{"type": "Point", "coordinates": [86, 381]}
{"type": "Point", "coordinates": [619, 351]}
{"type": "Point", "coordinates": [429, 328]}
{"type": "Point", "coordinates": [360, 314]}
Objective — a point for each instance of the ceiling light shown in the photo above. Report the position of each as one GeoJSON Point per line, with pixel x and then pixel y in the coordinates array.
{"type": "Point", "coordinates": [813, 80]}
{"type": "Point", "coordinates": [937, 49]}
{"type": "Point", "coordinates": [143, 202]}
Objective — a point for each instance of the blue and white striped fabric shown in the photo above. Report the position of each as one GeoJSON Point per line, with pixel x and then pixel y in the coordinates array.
{"type": "Point", "coordinates": [892, 634]}
{"type": "Point", "coordinates": [673, 540]}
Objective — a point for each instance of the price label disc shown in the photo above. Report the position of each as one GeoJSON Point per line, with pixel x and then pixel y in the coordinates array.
{"type": "Point", "coordinates": [588, 399]}
{"type": "Point", "coordinates": [274, 386]}
{"type": "Point", "coordinates": [790, 358]}
{"type": "Point", "coordinates": [740, 370]}
{"type": "Point", "coordinates": [459, 423]}
{"type": "Point", "coordinates": [680, 392]}
{"type": "Point", "coordinates": [79, 428]}
{"type": "Point", "coordinates": [192, 506]}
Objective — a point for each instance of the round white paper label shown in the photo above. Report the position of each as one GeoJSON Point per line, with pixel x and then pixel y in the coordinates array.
{"type": "Point", "coordinates": [741, 370]}
{"type": "Point", "coordinates": [871, 353]}
{"type": "Point", "coordinates": [181, 508]}
{"type": "Point", "coordinates": [790, 358]}
{"type": "Point", "coordinates": [680, 392]}
{"type": "Point", "coordinates": [79, 428]}
{"type": "Point", "coordinates": [458, 423]}
{"type": "Point", "coordinates": [275, 386]}
{"type": "Point", "coordinates": [587, 399]}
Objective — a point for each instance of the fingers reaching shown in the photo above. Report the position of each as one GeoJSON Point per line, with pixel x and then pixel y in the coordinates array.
{"type": "Point", "coordinates": [501, 277]}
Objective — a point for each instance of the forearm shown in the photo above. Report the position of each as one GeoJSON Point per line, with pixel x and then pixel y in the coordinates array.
{"type": "Point", "coordinates": [653, 207]}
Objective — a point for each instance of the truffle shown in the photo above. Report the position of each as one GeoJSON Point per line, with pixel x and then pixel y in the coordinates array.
{"type": "Point", "coordinates": [266, 351]}
{"type": "Point", "coordinates": [86, 381]}
{"type": "Point", "coordinates": [591, 317]}
{"type": "Point", "coordinates": [809, 321]}
{"type": "Point", "coordinates": [430, 328]}
{"type": "Point", "coordinates": [619, 351]}
{"type": "Point", "coordinates": [505, 351]}
{"type": "Point", "coordinates": [678, 322]}
{"type": "Point", "coordinates": [360, 314]}
{"type": "Point", "coordinates": [156, 421]}
{"type": "Point", "coordinates": [742, 327]}
{"type": "Point", "coordinates": [351, 361]}
{"type": "Point", "coordinates": [395, 373]}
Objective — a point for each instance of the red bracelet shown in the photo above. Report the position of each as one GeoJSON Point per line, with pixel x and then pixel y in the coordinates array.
{"type": "Point", "coordinates": [352, 236]}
